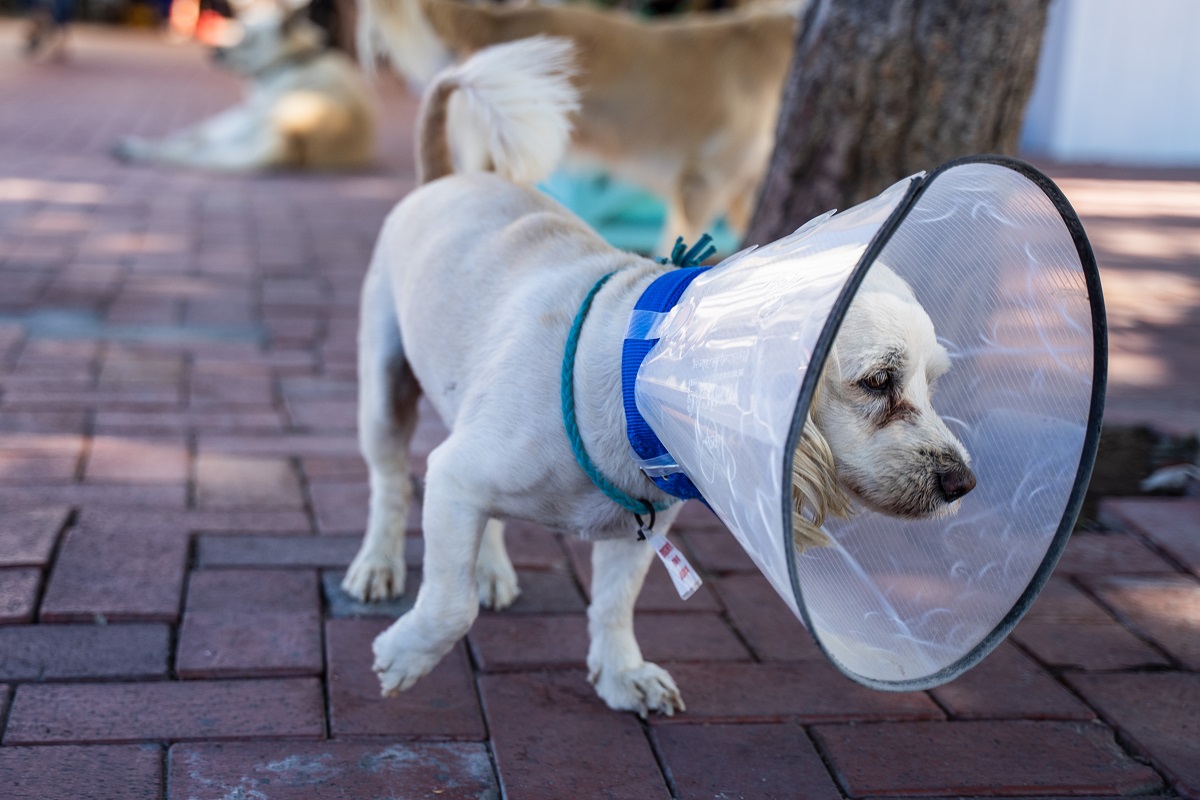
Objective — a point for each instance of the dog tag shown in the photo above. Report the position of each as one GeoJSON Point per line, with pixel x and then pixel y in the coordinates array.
{"type": "Point", "coordinates": [682, 575]}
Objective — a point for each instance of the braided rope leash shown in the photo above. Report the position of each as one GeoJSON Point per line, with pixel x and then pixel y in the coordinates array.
{"type": "Point", "coordinates": [567, 395]}
{"type": "Point", "coordinates": [681, 256]}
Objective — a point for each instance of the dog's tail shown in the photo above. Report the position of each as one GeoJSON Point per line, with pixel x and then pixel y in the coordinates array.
{"type": "Point", "coordinates": [507, 109]}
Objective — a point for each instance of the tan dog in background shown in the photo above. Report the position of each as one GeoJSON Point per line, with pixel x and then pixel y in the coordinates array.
{"type": "Point", "coordinates": [684, 107]}
{"type": "Point", "coordinates": [306, 107]}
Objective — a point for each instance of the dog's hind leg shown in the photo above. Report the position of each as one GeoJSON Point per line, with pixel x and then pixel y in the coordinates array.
{"type": "Point", "coordinates": [387, 415]}
{"type": "Point", "coordinates": [494, 573]}
{"type": "Point", "coordinates": [623, 679]}
{"type": "Point", "coordinates": [447, 602]}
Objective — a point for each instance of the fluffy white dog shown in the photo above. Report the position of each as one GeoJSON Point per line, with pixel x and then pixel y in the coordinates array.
{"type": "Point", "coordinates": [469, 298]}
{"type": "Point", "coordinates": [307, 107]}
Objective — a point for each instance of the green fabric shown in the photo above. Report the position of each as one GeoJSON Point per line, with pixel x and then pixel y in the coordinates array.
{"type": "Point", "coordinates": [626, 216]}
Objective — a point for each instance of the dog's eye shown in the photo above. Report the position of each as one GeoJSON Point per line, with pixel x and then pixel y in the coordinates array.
{"type": "Point", "coordinates": [877, 381]}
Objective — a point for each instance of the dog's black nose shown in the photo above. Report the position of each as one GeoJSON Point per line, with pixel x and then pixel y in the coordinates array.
{"type": "Point", "coordinates": [956, 481]}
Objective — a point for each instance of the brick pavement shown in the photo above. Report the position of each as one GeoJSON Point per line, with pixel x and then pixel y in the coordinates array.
{"type": "Point", "coordinates": [180, 491]}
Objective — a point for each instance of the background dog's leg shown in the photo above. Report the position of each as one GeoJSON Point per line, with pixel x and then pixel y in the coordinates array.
{"type": "Point", "coordinates": [447, 602]}
{"type": "Point", "coordinates": [387, 415]}
{"type": "Point", "coordinates": [494, 573]}
{"type": "Point", "coordinates": [741, 208]}
{"type": "Point", "coordinates": [615, 666]}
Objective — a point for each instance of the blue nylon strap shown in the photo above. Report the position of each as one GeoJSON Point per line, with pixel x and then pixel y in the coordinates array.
{"type": "Point", "coordinates": [661, 296]}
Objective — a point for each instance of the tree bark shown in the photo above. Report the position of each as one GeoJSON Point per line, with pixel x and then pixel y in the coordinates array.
{"type": "Point", "coordinates": [881, 89]}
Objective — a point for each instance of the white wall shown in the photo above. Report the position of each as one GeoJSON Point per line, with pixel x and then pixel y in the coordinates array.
{"type": "Point", "coordinates": [1119, 83]}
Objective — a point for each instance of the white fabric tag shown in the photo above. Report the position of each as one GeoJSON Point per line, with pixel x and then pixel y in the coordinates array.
{"type": "Point", "coordinates": [682, 575]}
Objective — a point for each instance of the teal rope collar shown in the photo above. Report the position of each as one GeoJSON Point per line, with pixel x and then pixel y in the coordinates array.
{"type": "Point", "coordinates": [625, 501]}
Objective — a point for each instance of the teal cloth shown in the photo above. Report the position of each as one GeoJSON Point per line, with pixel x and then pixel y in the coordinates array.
{"type": "Point", "coordinates": [625, 215]}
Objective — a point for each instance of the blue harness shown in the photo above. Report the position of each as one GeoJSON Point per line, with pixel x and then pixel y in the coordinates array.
{"type": "Point", "coordinates": [658, 299]}
{"type": "Point", "coordinates": [653, 458]}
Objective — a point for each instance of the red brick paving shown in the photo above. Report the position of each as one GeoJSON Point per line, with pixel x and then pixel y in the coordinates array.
{"type": "Point", "coordinates": [1169, 524]}
{"type": "Point", "coordinates": [58, 652]}
{"type": "Point", "coordinates": [1008, 684]}
{"type": "Point", "coordinates": [530, 641]}
{"type": "Point", "coordinates": [226, 481]}
{"type": "Point", "coordinates": [276, 551]}
{"type": "Point", "coordinates": [71, 772]}
{"type": "Point", "coordinates": [553, 738]}
{"type": "Point", "coordinates": [180, 491]}
{"type": "Point", "coordinates": [1159, 713]}
{"type": "Point", "coordinates": [116, 574]}
{"type": "Point", "coordinates": [990, 758]}
{"type": "Point", "coordinates": [166, 710]}
{"type": "Point", "coordinates": [250, 622]}
{"type": "Point", "coordinates": [443, 705]}
{"type": "Point", "coordinates": [776, 692]}
{"type": "Point", "coordinates": [766, 762]}
{"type": "Point", "coordinates": [18, 594]}
{"type": "Point", "coordinates": [1164, 609]}
{"type": "Point", "coordinates": [1104, 554]}
{"type": "Point", "coordinates": [331, 770]}
{"type": "Point", "coordinates": [764, 620]}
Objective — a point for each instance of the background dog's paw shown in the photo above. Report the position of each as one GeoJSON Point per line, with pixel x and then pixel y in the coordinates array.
{"type": "Point", "coordinates": [373, 578]}
{"type": "Point", "coordinates": [398, 663]}
{"type": "Point", "coordinates": [498, 587]}
{"type": "Point", "coordinates": [642, 689]}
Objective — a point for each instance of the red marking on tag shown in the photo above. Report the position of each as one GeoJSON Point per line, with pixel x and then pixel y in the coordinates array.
{"type": "Point", "coordinates": [682, 575]}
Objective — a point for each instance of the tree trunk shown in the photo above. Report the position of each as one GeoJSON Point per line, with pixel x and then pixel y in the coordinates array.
{"type": "Point", "coordinates": [881, 89]}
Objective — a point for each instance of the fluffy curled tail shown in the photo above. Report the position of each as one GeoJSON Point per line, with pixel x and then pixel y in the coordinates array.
{"type": "Point", "coordinates": [505, 109]}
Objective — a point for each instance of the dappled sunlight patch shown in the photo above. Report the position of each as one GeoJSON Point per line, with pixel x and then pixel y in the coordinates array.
{"type": "Point", "coordinates": [1142, 242]}
{"type": "Point", "coordinates": [129, 243]}
{"type": "Point", "coordinates": [58, 222]}
{"type": "Point", "coordinates": [17, 190]}
{"type": "Point", "coordinates": [1156, 297]}
{"type": "Point", "coordinates": [1132, 199]}
{"type": "Point", "coordinates": [1140, 369]}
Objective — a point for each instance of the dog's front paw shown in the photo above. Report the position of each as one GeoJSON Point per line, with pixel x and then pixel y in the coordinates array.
{"type": "Point", "coordinates": [372, 577]}
{"type": "Point", "coordinates": [498, 587]}
{"type": "Point", "coordinates": [643, 689]}
{"type": "Point", "coordinates": [400, 658]}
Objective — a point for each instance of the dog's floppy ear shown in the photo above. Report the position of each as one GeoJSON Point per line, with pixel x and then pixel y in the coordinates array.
{"type": "Point", "coordinates": [816, 493]}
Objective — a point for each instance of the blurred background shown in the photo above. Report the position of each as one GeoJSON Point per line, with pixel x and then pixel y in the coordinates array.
{"type": "Point", "coordinates": [181, 491]}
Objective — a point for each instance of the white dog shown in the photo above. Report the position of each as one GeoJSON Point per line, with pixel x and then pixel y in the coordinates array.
{"type": "Point", "coordinates": [307, 107]}
{"type": "Point", "coordinates": [470, 294]}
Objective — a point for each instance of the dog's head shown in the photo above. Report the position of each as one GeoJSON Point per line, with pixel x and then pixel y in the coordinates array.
{"type": "Point", "coordinates": [265, 36]}
{"type": "Point", "coordinates": [872, 433]}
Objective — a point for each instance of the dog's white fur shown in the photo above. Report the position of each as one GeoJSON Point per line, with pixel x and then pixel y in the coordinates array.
{"type": "Point", "coordinates": [307, 107]}
{"type": "Point", "coordinates": [684, 107]}
{"type": "Point", "coordinates": [469, 297]}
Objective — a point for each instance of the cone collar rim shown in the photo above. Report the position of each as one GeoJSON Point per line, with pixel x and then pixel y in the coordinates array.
{"type": "Point", "coordinates": [917, 186]}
